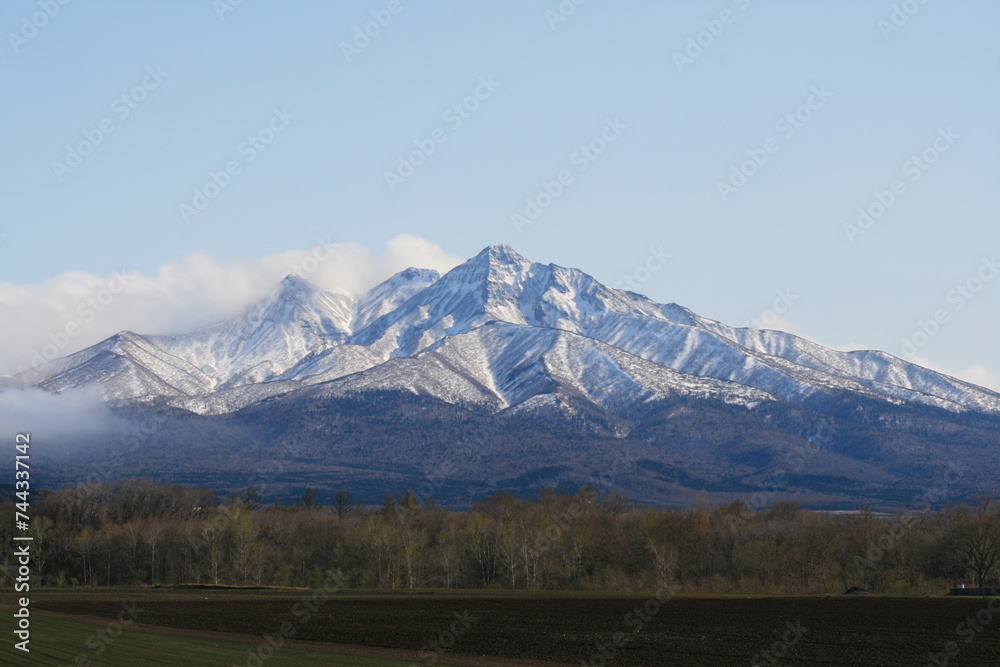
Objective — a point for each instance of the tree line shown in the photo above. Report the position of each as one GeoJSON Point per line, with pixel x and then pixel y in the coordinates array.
{"type": "Point", "coordinates": [138, 532]}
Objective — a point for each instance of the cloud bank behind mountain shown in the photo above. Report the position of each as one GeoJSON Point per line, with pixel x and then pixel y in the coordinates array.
{"type": "Point", "coordinates": [77, 309]}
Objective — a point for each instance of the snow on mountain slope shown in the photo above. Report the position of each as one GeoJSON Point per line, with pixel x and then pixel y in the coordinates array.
{"type": "Point", "coordinates": [877, 370]}
{"type": "Point", "coordinates": [389, 295]}
{"type": "Point", "coordinates": [269, 338]}
{"type": "Point", "coordinates": [500, 365]}
{"type": "Point", "coordinates": [292, 334]}
{"type": "Point", "coordinates": [126, 366]}
{"type": "Point", "coordinates": [329, 365]}
{"type": "Point", "coordinates": [499, 284]}
{"type": "Point", "coordinates": [496, 330]}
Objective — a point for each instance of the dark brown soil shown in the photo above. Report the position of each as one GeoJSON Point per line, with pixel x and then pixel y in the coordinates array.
{"type": "Point", "coordinates": [838, 630]}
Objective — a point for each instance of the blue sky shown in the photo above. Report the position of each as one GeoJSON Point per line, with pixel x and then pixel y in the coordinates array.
{"type": "Point", "coordinates": [833, 98]}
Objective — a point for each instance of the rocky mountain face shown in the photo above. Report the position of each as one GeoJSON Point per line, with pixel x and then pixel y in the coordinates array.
{"type": "Point", "coordinates": [521, 375]}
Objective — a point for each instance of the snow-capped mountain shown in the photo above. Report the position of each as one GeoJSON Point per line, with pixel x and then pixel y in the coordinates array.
{"type": "Point", "coordinates": [302, 336]}
{"type": "Point", "coordinates": [501, 335]}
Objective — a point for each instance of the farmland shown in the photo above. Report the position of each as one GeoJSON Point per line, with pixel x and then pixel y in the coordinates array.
{"type": "Point", "coordinates": [226, 626]}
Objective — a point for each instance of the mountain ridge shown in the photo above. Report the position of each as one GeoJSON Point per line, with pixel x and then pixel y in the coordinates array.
{"type": "Point", "coordinates": [302, 334]}
{"type": "Point", "coordinates": [542, 374]}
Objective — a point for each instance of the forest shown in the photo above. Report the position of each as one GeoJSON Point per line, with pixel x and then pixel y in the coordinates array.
{"type": "Point", "coordinates": [138, 532]}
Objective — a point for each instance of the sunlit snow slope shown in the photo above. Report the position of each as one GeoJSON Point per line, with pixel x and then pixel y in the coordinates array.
{"type": "Point", "coordinates": [499, 332]}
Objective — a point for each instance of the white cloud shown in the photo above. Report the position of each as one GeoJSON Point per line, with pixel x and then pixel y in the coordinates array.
{"type": "Point", "coordinates": [978, 374]}
{"type": "Point", "coordinates": [53, 418]}
{"type": "Point", "coordinates": [77, 309]}
{"type": "Point", "coordinates": [775, 322]}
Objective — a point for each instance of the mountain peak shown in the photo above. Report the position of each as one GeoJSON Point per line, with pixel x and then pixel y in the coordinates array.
{"type": "Point", "coordinates": [295, 287]}
{"type": "Point", "coordinates": [413, 273]}
{"type": "Point", "coordinates": [502, 253]}
{"type": "Point", "coordinates": [391, 293]}
{"type": "Point", "coordinates": [294, 280]}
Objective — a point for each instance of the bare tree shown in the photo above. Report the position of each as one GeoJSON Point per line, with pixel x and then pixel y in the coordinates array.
{"type": "Point", "coordinates": [250, 498]}
{"type": "Point", "coordinates": [152, 532]}
{"type": "Point", "coordinates": [310, 499]}
{"type": "Point", "coordinates": [342, 502]}
{"type": "Point", "coordinates": [979, 548]}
